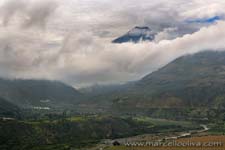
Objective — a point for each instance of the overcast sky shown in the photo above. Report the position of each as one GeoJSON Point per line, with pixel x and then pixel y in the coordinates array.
{"type": "Point", "coordinates": [70, 40]}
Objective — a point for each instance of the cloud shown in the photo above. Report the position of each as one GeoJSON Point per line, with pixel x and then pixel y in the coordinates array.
{"type": "Point", "coordinates": [205, 9]}
{"type": "Point", "coordinates": [166, 34]}
{"type": "Point", "coordinates": [76, 47]}
{"type": "Point", "coordinates": [11, 8]}
{"type": "Point", "coordinates": [106, 62]}
{"type": "Point", "coordinates": [30, 13]}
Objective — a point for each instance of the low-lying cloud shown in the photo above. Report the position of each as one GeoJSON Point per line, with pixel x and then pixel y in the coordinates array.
{"type": "Point", "coordinates": [105, 62]}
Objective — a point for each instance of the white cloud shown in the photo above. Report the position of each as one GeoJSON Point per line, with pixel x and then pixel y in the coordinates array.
{"type": "Point", "coordinates": [106, 62]}
{"type": "Point", "coordinates": [166, 34]}
{"type": "Point", "coordinates": [205, 9]}
{"type": "Point", "coordinates": [28, 13]}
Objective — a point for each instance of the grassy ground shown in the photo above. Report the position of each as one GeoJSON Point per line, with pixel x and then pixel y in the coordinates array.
{"type": "Point", "coordinates": [164, 121]}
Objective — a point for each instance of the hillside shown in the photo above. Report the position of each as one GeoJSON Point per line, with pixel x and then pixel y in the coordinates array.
{"type": "Point", "coordinates": [38, 93]}
{"type": "Point", "coordinates": [8, 110]}
{"type": "Point", "coordinates": [194, 80]}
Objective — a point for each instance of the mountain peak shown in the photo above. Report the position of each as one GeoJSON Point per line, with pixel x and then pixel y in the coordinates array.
{"type": "Point", "coordinates": [143, 27]}
{"type": "Point", "coordinates": [136, 34]}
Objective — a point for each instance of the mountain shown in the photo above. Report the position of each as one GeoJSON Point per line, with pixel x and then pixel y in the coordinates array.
{"type": "Point", "coordinates": [192, 81]}
{"type": "Point", "coordinates": [136, 35]}
{"type": "Point", "coordinates": [8, 109]}
{"type": "Point", "coordinates": [38, 93]}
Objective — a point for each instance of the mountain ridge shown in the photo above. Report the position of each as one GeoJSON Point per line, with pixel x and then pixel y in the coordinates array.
{"type": "Point", "coordinates": [43, 93]}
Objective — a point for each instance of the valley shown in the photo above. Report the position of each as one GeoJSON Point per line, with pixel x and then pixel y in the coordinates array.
{"type": "Point", "coordinates": [185, 99]}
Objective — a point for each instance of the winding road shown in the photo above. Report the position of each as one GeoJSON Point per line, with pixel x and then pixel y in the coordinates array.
{"type": "Point", "coordinates": [205, 128]}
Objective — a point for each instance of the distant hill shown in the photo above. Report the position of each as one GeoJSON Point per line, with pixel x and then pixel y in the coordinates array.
{"type": "Point", "coordinates": [38, 93]}
{"type": "Point", "coordinates": [192, 81]}
{"type": "Point", "coordinates": [136, 35]}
